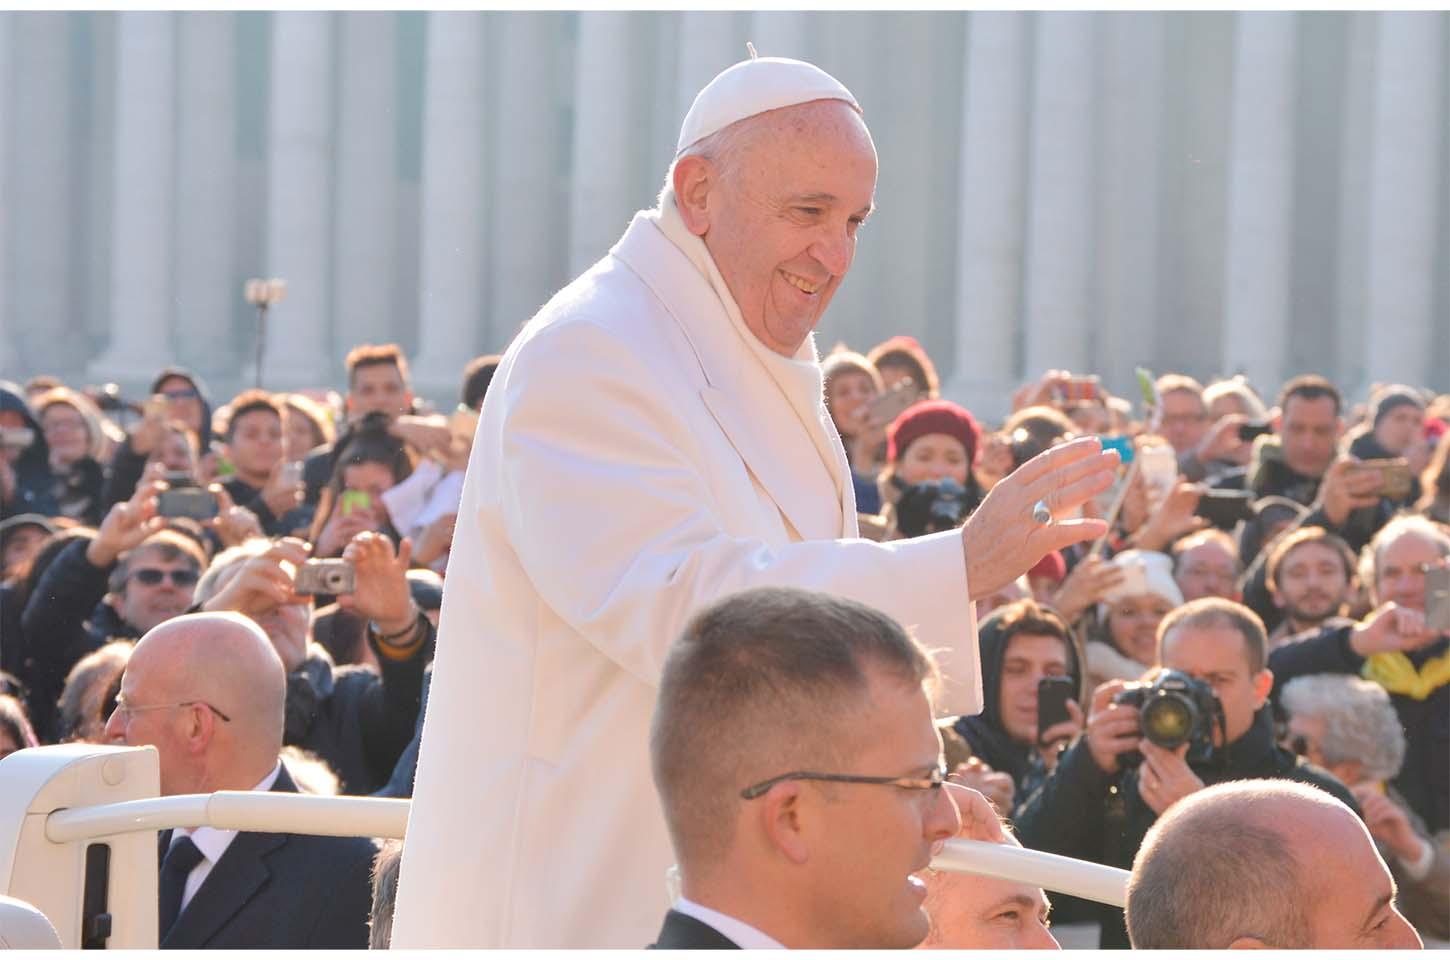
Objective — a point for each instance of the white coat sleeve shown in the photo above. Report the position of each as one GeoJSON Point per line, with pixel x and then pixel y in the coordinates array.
{"type": "Point", "coordinates": [606, 509]}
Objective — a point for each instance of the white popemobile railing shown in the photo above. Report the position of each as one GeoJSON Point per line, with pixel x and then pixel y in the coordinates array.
{"type": "Point", "coordinates": [56, 803]}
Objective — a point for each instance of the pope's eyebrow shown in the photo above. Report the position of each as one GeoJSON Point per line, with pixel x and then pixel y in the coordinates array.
{"type": "Point", "coordinates": [829, 198]}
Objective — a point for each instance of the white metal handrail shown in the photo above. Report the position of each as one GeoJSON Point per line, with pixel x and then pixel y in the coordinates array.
{"type": "Point", "coordinates": [235, 810]}
{"type": "Point", "coordinates": [265, 812]}
{"type": "Point", "coordinates": [1078, 878]}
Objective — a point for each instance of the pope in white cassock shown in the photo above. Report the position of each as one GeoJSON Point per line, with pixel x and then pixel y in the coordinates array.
{"type": "Point", "coordinates": [654, 439]}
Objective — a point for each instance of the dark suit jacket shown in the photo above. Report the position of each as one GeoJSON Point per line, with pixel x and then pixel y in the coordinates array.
{"type": "Point", "coordinates": [282, 890]}
{"type": "Point", "coordinates": [682, 932]}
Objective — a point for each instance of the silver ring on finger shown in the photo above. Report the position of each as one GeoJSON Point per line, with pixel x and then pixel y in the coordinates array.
{"type": "Point", "coordinates": [1041, 514]}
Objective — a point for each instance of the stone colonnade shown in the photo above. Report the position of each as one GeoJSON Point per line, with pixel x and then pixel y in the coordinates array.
{"type": "Point", "coordinates": [1256, 192]}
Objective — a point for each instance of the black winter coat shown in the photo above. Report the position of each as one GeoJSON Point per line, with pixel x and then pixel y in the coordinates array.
{"type": "Point", "coordinates": [1084, 813]}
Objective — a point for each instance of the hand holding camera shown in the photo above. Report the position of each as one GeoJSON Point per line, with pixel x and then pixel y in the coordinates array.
{"type": "Point", "coordinates": [1087, 584]}
{"type": "Point", "coordinates": [996, 786]}
{"type": "Point", "coordinates": [284, 490]}
{"type": "Point", "coordinates": [1112, 727]}
{"type": "Point", "coordinates": [1392, 628]}
{"type": "Point", "coordinates": [265, 582]}
{"type": "Point", "coordinates": [128, 523]}
{"type": "Point", "coordinates": [381, 582]}
{"type": "Point", "coordinates": [1224, 440]}
{"type": "Point", "coordinates": [232, 524]}
{"type": "Point", "coordinates": [1347, 487]}
{"type": "Point", "coordinates": [354, 514]}
{"type": "Point", "coordinates": [1174, 517]}
{"type": "Point", "coordinates": [1165, 776]}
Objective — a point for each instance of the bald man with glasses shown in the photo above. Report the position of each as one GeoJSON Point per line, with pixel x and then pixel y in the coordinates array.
{"type": "Point", "coordinates": [207, 691]}
{"type": "Point", "coordinates": [799, 770]}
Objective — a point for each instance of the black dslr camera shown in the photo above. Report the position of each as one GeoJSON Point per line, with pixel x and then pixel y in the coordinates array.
{"type": "Point", "coordinates": [1172, 710]}
{"type": "Point", "coordinates": [932, 507]}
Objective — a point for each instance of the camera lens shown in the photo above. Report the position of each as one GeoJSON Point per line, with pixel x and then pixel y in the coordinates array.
{"type": "Point", "coordinates": [1168, 720]}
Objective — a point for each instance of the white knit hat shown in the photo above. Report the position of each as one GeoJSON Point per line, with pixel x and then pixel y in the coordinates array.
{"type": "Point", "coordinates": [1157, 571]}
{"type": "Point", "coordinates": [754, 86]}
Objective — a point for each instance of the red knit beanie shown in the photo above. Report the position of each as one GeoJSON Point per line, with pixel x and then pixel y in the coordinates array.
{"type": "Point", "coordinates": [932, 416]}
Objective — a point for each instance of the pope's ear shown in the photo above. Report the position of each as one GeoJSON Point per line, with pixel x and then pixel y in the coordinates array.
{"type": "Point", "coordinates": [694, 178]}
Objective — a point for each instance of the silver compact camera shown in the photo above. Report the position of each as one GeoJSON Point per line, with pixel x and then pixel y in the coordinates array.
{"type": "Point", "coordinates": [330, 577]}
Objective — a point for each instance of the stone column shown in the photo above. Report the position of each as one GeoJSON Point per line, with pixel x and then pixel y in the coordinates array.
{"type": "Point", "coordinates": [777, 33]}
{"type": "Point", "coordinates": [452, 229]}
{"type": "Point", "coordinates": [989, 244]}
{"type": "Point", "coordinates": [1127, 234]}
{"type": "Point", "coordinates": [601, 200]}
{"type": "Point", "coordinates": [38, 197]}
{"type": "Point", "coordinates": [141, 249]}
{"type": "Point", "coordinates": [1352, 233]}
{"type": "Point", "coordinates": [9, 363]}
{"type": "Point", "coordinates": [527, 262]}
{"type": "Point", "coordinates": [1404, 177]}
{"type": "Point", "coordinates": [1260, 199]}
{"type": "Point", "coordinates": [366, 179]}
{"type": "Point", "coordinates": [208, 290]}
{"type": "Point", "coordinates": [706, 45]}
{"type": "Point", "coordinates": [1059, 217]}
{"type": "Point", "coordinates": [300, 351]}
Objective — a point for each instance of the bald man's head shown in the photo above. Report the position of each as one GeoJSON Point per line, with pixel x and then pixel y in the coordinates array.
{"type": "Point", "coordinates": [208, 691]}
{"type": "Point", "coordinates": [1269, 863]}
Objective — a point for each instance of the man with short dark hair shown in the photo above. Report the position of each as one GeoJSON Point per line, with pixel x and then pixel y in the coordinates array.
{"type": "Point", "coordinates": [1262, 864]}
{"type": "Point", "coordinates": [798, 766]}
{"type": "Point", "coordinates": [207, 691]}
{"type": "Point", "coordinates": [1097, 805]}
{"type": "Point", "coordinates": [254, 447]}
{"type": "Point", "coordinates": [377, 383]}
{"type": "Point", "coordinates": [1309, 574]}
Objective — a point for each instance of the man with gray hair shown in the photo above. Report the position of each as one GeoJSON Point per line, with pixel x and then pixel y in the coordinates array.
{"type": "Point", "coordinates": [677, 383]}
{"type": "Point", "coordinates": [207, 690]}
{"type": "Point", "coordinates": [1349, 727]}
{"type": "Point", "coordinates": [1266, 864]}
{"type": "Point", "coordinates": [1396, 648]}
{"type": "Point", "coordinates": [799, 770]}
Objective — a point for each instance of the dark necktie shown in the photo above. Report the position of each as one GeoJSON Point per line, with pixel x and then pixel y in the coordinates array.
{"type": "Point", "coordinates": [180, 859]}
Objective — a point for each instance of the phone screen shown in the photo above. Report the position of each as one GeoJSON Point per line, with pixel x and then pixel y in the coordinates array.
{"type": "Point", "coordinates": [1052, 696]}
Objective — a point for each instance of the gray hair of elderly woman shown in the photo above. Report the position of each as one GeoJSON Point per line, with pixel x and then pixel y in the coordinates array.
{"type": "Point", "coordinates": [1360, 723]}
{"type": "Point", "coordinates": [90, 687]}
{"type": "Point", "coordinates": [385, 894]}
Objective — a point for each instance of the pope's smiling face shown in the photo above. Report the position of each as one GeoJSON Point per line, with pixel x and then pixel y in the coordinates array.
{"type": "Point", "coordinates": [780, 218]}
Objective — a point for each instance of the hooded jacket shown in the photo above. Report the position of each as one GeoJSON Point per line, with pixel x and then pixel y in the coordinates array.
{"type": "Point", "coordinates": [34, 480]}
{"type": "Point", "coordinates": [127, 466]}
{"type": "Point", "coordinates": [985, 732]}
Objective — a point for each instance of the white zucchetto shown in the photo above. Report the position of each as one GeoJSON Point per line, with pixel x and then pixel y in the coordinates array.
{"type": "Point", "coordinates": [754, 86]}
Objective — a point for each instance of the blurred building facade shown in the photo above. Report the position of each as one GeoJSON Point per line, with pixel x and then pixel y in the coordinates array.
{"type": "Point", "coordinates": [1208, 192]}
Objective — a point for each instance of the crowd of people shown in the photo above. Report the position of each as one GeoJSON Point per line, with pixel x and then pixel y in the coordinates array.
{"type": "Point", "coordinates": [1305, 615]}
{"type": "Point", "coordinates": [720, 608]}
{"type": "Point", "coordinates": [316, 523]}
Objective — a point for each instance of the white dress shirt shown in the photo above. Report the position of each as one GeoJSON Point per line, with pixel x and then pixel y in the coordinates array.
{"type": "Point", "coordinates": [213, 842]}
{"type": "Point", "coordinates": [738, 932]}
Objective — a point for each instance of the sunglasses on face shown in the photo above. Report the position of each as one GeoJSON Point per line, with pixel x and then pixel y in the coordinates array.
{"type": "Point", "coordinates": [151, 576]}
{"type": "Point", "coordinates": [181, 393]}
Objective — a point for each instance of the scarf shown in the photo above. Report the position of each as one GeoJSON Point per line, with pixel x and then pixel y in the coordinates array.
{"type": "Point", "coordinates": [1397, 674]}
{"type": "Point", "coordinates": [799, 378]}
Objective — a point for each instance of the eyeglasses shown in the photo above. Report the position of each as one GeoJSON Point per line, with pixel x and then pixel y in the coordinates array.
{"type": "Point", "coordinates": [124, 708]}
{"type": "Point", "coordinates": [932, 782]}
{"type": "Point", "coordinates": [182, 393]}
{"type": "Point", "coordinates": [151, 576]}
